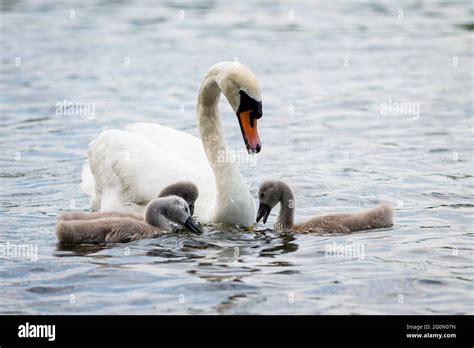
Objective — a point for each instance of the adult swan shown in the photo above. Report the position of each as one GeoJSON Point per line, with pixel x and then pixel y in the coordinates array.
{"type": "Point", "coordinates": [128, 168]}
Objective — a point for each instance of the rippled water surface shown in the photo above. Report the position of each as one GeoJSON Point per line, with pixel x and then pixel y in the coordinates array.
{"type": "Point", "coordinates": [326, 70]}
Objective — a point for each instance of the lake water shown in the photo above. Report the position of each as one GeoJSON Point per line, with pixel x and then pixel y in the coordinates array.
{"type": "Point", "coordinates": [363, 101]}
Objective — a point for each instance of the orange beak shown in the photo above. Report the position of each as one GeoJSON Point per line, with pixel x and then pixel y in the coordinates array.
{"type": "Point", "coordinates": [248, 126]}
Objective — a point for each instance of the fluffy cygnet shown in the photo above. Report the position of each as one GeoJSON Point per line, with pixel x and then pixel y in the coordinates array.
{"type": "Point", "coordinates": [120, 228]}
{"type": "Point", "coordinates": [272, 192]}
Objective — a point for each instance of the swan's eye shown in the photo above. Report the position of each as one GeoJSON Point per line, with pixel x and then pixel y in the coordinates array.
{"type": "Point", "coordinates": [257, 112]}
{"type": "Point", "coordinates": [247, 103]}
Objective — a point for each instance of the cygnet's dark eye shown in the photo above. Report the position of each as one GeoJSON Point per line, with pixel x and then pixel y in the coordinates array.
{"type": "Point", "coordinates": [261, 195]}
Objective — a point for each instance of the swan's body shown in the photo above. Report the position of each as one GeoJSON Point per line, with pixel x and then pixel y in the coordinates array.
{"type": "Point", "coordinates": [116, 227]}
{"type": "Point", "coordinates": [126, 169]}
{"type": "Point", "coordinates": [272, 192]}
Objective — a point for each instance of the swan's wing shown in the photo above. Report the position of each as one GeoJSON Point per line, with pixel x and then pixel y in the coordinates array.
{"type": "Point", "coordinates": [171, 141]}
{"type": "Point", "coordinates": [130, 168]}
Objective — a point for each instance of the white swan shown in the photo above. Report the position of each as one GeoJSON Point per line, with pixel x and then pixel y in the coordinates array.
{"type": "Point", "coordinates": [127, 169]}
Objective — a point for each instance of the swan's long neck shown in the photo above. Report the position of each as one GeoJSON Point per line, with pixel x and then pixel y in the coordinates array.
{"type": "Point", "coordinates": [209, 122]}
{"type": "Point", "coordinates": [287, 209]}
{"type": "Point", "coordinates": [233, 196]}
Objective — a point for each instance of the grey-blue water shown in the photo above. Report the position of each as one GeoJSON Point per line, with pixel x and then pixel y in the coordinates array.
{"type": "Point", "coordinates": [363, 101]}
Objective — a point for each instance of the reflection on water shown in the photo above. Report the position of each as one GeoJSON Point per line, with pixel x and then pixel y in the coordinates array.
{"type": "Point", "coordinates": [283, 245]}
{"type": "Point", "coordinates": [326, 72]}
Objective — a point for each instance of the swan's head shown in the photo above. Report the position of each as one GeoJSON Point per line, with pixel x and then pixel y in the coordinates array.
{"type": "Point", "coordinates": [184, 189]}
{"type": "Point", "coordinates": [241, 88]}
{"type": "Point", "coordinates": [270, 194]}
{"type": "Point", "coordinates": [173, 208]}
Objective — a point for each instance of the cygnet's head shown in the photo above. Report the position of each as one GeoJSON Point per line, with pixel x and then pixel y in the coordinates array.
{"type": "Point", "coordinates": [184, 189]}
{"type": "Point", "coordinates": [174, 209]}
{"type": "Point", "coordinates": [270, 194]}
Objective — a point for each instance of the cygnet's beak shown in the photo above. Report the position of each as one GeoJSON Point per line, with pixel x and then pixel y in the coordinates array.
{"type": "Point", "coordinates": [263, 212]}
{"type": "Point", "coordinates": [191, 225]}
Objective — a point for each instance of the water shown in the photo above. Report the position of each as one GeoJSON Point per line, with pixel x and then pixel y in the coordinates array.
{"type": "Point", "coordinates": [327, 70]}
